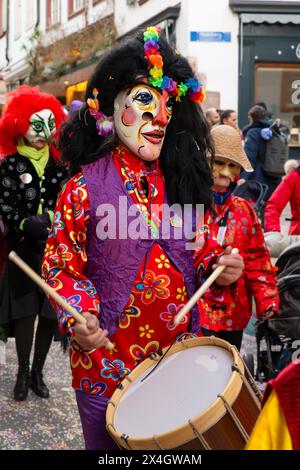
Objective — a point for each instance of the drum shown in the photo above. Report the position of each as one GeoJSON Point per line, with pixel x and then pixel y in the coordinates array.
{"type": "Point", "coordinates": [198, 395]}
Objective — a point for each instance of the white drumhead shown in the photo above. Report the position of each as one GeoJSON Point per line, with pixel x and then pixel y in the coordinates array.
{"type": "Point", "coordinates": [181, 387]}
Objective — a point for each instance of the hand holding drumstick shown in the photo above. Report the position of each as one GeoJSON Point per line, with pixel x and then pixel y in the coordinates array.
{"type": "Point", "coordinates": [228, 269]}
{"type": "Point", "coordinates": [87, 330]}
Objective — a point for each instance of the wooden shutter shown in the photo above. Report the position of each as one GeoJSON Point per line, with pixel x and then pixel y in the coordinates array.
{"type": "Point", "coordinates": [48, 14]}
{"type": "Point", "coordinates": [70, 7]}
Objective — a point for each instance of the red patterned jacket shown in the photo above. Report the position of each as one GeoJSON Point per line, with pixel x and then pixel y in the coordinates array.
{"type": "Point", "coordinates": [231, 309]}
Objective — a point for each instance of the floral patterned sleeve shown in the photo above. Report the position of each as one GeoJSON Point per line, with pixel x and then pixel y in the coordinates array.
{"type": "Point", "coordinates": [207, 251]}
{"type": "Point", "coordinates": [65, 253]}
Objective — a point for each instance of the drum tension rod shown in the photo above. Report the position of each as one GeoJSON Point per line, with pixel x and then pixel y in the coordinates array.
{"type": "Point", "coordinates": [199, 436]}
{"type": "Point", "coordinates": [250, 384]}
{"type": "Point", "coordinates": [234, 418]}
{"type": "Point", "coordinates": [110, 425]}
{"type": "Point", "coordinates": [125, 438]}
{"type": "Point", "coordinates": [157, 443]}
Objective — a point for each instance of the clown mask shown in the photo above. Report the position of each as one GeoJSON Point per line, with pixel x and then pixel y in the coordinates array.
{"type": "Point", "coordinates": [41, 128]}
{"type": "Point", "coordinates": [224, 173]}
{"type": "Point", "coordinates": [141, 117]}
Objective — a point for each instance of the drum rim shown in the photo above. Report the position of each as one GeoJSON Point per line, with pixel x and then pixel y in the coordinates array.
{"type": "Point", "coordinates": [181, 434]}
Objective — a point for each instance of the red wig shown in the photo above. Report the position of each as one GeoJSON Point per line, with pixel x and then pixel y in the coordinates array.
{"type": "Point", "coordinates": [21, 103]}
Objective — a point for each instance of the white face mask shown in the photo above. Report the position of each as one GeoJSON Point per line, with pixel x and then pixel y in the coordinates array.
{"type": "Point", "coordinates": [141, 117]}
{"type": "Point", "coordinates": [41, 128]}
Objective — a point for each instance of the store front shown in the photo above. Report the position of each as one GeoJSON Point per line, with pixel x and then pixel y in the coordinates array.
{"type": "Point", "coordinates": [269, 62]}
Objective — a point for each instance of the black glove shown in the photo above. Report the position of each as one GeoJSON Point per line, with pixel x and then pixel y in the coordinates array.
{"type": "Point", "coordinates": [36, 226]}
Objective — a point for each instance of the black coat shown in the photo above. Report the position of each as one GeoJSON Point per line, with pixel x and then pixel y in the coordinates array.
{"type": "Point", "coordinates": [255, 148]}
{"type": "Point", "coordinates": [21, 192]}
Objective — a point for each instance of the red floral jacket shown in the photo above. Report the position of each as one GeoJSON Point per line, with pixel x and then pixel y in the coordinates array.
{"type": "Point", "coordinates": [231, 309]}
{"type": "Point", "coordinates": [146, 322]}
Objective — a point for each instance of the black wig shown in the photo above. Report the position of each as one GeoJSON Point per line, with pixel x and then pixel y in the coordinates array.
{"type": "Point", "coordinates": [187, 142]}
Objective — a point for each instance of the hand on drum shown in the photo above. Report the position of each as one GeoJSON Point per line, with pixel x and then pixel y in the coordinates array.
{"type": "Point", "coordinates": [90, 336]}
{"type": "Point", "coordinates": [234, 267]}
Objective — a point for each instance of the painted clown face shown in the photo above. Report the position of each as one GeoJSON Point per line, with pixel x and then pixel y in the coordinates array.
{"type": "Point", "coordinates": [224, 173]}
{"type": "Point", "coordinates": [41, 128]}
{"type": "Point", "coordinates": [141, 117]}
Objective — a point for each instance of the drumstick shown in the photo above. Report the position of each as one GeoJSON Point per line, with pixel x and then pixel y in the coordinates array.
{"type": "Point", "coordinates": [50, 291]}
{"type": "Point", "coordinates": [202, 289]}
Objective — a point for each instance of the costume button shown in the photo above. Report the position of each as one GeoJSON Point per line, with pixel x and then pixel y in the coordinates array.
{"type": "Point", "coordinates": [42, 201]}
{"type": "Point", "coordinates": [43, 190]}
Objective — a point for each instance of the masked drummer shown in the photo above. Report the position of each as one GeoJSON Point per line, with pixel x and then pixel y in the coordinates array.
{"type": "Point", "coordinates": [141, 136]}
{"type": "Point", "coordinates": [226, 314]}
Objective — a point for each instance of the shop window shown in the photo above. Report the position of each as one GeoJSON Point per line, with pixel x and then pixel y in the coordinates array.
{"type": "Point", "coordinates": [76, 92]}
{"type": "Point", "coordinates": [278, 85]}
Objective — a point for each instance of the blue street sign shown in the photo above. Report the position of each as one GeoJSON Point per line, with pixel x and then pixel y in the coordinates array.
{"type": "Point", "coordinates": [209, 36]}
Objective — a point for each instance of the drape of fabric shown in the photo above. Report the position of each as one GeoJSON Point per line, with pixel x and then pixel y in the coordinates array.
{"type": "Point", "coordinates": [287, 388]}
{"type": "Point", "coordinates": [270, 431]}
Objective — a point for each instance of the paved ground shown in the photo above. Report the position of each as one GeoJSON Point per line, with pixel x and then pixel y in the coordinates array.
{"type": "Point", "coordinates": [54, 423]}
{"type": "Point", "coordinates": [37, 423]}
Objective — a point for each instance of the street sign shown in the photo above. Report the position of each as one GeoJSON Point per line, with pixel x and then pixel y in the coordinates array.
{"type": "Point", "coordinates": [210, 36]}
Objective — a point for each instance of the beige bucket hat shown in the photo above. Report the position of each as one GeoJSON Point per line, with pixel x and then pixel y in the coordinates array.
{"type": "Point", "coordinates": [228, 145]}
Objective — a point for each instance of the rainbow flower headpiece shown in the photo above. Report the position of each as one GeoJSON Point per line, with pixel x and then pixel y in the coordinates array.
{"type": "Point", "coordinates": [191, 87]}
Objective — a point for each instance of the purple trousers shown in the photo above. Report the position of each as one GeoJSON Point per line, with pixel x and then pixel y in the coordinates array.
{"type": "Point", "coordinates": [92, 411]}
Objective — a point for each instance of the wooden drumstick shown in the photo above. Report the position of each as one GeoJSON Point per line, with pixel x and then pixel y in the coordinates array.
{"type": "Point", "coordinates": [50, 291]}
{"type": "Point", "coordinates": [202, 289]}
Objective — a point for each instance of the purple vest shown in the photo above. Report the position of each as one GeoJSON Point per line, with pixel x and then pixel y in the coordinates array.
{"type": "Point", "coordinates": [113, 264]}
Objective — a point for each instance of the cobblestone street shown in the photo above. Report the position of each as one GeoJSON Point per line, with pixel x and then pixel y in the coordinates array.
{"type": "Point", "coordinates": [36, 423]}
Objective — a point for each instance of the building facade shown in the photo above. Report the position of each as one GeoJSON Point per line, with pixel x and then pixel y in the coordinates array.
{"type": "Point", "coordinates": [54, 43]}
{"type": "Point", "coordinates": [245, 51]}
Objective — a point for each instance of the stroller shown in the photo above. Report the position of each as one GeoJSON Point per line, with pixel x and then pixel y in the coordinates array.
{"type": "Point", "coordinates": [281, 335]}
{"type": "Point", "coordinates": [255, 193]}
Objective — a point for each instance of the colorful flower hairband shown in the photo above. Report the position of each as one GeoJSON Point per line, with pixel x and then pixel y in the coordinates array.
{"type": "Point", "coordinates": [192, 86]}
{"type": "Point", "coordinates": [104, 123]}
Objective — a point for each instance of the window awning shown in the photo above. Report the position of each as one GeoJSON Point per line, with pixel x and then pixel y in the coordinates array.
{"type": "Point", "coordinates": [269, 18]}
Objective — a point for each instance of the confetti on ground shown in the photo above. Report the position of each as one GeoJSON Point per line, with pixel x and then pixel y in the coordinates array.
{"type": "Point", "coordinates": [36, 423]}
